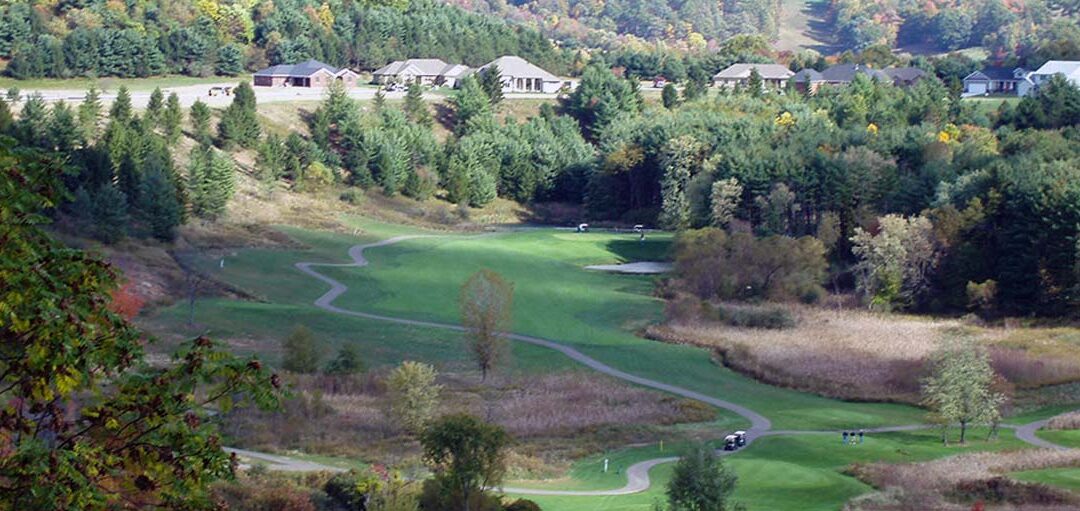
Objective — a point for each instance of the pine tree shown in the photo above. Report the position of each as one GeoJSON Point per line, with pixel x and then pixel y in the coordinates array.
{"type": "Point", "coordinates": [90, 115]}
{"type": "Point", "coordinates": [172, 119]}
{"type": "Point", "coordinates": [200, 122]}
{"type": "Point", "coordinates": [6, 119]}
{"type": "Point", "coordinates": [491, 82]}
{"type": "Point", "coordinates": [32, 126]}
{"type": "Point", "coordinates": [158, 205]}
{"type": "Point", "coordinates": [380, 101]}
{"type": "Point", "coordinates": [154, 107]}
{"type": "Point", "coordinates": [470, 104]}
{"type": "Point", "coordinates": [669, 96]}
{"type": "Point", "coordinates": [211, 182]}
{"type": "Point", "coordinates": [415, 107]}
{"type": "Point", "coordinates": [110, 214]}
{"type": "Point", "coordinates": [754, 84]}
{"type": "Point", "coordinates": [240, 123]}
{"type": "Point", "coordinates": [121, 108]}
{"type": "Point", "coordinates": [270, 162]}
{"type": "Point", "coordinates": [63, 133]}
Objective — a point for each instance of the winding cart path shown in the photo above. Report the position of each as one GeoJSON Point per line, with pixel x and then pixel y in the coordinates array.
{"type": "Point", "coordinates": [638, 473]}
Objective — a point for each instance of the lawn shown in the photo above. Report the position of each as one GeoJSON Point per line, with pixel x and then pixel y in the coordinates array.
{"type": "Point", "coordinates": [110, 83]}
{"type": "Point", "coordinates": [1068, 438]}
{"type": "Point", "coordinates": [1068, 478]}
{"type": "Point", "coordinates": [803, 472]}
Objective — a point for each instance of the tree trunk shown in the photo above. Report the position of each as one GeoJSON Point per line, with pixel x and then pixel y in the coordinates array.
{"type": "Point", "coordinates": [963, 431]}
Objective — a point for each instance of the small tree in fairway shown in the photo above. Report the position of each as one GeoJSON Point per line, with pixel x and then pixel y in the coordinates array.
{"type": "Point", "coordinates": [486, 301]}
{"type": "Point", "coordinates": [960, 387]}
{"type": "Point", "coordinates": [700, 482]}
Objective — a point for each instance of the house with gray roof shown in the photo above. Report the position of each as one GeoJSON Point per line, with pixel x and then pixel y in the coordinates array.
{"type": "Point", "coordinates": [519, 75]}
{"type": "Point", "coordinates": [1012, 81]}
{"type": "Point", "coordinates": [905, 76]}
{"type": "Point", "coordinates": [843, 74]}
{"type": "Point", "coordinates": [808, 80]}
{"type": "Point", "coordinates": [431, 72]}
{"type": "Point", "coordinates": [1069, 69]}
{"type": "Point", "coordinates": [772, 75]}
{"type": "Point", "coordinates": [311, 73]}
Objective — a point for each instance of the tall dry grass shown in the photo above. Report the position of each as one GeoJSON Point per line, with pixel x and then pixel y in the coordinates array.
{"type": "Point", "coordinates": [958, 481]}
{"type": "Point", "coordinates": [863, 355]}
{"type": "Point", "coordinates": [1065, 421]}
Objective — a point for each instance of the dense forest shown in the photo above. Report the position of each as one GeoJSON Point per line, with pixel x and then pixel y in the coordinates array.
{"type": "Point", "coordinates": [1014, 31]}
{"type": "Point", "coordinates": [636, 24]}
{"type": "Point", "coordinates": [152, 37]}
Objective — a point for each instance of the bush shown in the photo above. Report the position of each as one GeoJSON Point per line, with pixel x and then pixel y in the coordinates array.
{"type": "Point", "coordinates": [354, 196]}
{"type": "Point", "coordinates": [522, 505]}
{"type": "Point", "coordinates": [770, 317]}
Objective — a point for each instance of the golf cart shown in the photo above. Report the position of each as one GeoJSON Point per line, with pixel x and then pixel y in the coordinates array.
{"type": "Point", "coordinates": [731, 442]}
{"type": "Point", "coordinates": [583, 228]}
{"type": "Point", "coordinates": [740, 438]}
{"type": "Point", "coordinates": [214, 91]}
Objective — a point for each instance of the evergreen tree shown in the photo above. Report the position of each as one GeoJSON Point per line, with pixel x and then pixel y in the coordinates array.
{"type": "Point", "coordinates": [172, 119]}
{"type": "Point", "coordinates": [415, 107]}
{"type": "Point", "coordinates": [380, 101]}
{"type": "Point", "coordinates": [240, 123]}
{"type": "Point", "coordinates": [230, 60]}
{"type": "Point", "coordinates": [6, 119]}
{"type": "Point", "coordinates": [669, 96]}
{"type": "Point", "coordinates": [755, 84]}
{"type": "Point", "coordinates": [121, 108]}
{"type": "Point", "coordinates": [211, 182]}
{"type": "Point", "coordinates": [158, 205]}
{"type": "Point", "coordinates": [491, 82]}
{"type": "Point", "coordinates": [33, 123]}
{"type": "Point", "coordinates": [154, 107]}
{"type": "Point", "coordinates": [110, 214]}
{"type": "Point", "coordinates": [470, 104]}
{"type": "Point", "coordinates": [90, 115]}
{"type": "Point", "coordinates": [200, 122]}
{"type": "Point", "coordinates": [700, 482]}
{"type": "Point", "coordinates": [347, 361]}
{"type": "Point", "coordinates": [62, 130]}
{"type": "Point", "coordinates": [270, 161]}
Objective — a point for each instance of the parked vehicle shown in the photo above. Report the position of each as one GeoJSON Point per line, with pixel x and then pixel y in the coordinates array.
{"type": "Point", "coordinates": [214, 91]}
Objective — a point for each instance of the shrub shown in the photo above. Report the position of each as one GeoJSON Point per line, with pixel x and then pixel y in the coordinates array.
{"type": "Point", "coordinates": [354, 196]}
{"type": "Point", "coordinates": [522, 505]}
{"type": "Point", "coordinates": [771, 317]}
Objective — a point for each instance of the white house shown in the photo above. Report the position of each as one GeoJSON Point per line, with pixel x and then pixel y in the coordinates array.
{"type": "Point", "coordinates": [518, 75]}
{"type": "Point", "coordinates": [1069, 69]}
{"type": "Point", "coordinates": [422, 71]}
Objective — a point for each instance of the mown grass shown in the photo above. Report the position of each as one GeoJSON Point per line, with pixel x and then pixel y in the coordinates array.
{"type": "Point", "coordinates": [1068, 478]}
{"type": "Point", "coordinates": [111, 83]}
{"type": "Point", "coordinates": [804, 472]}
{"type": "Point", "coordinates": [1067, 438]}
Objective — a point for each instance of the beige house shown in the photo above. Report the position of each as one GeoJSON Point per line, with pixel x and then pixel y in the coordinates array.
{"type": "Point", "coordinates": [305, 74]}
{"type": "Point", "coordinates": [772, 75]}
{"type": "Point", "coordinates": [430, 72]}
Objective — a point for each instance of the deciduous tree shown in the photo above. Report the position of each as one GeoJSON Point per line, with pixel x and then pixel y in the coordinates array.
{"type": "Point", "coordinates": [960, 388]}
{"type": "Point", "coordinates": [486, 304]}
{"type": "Point", "coordinates": [413, 395]}
{"type": "Point", "coordinates": [467, 456]}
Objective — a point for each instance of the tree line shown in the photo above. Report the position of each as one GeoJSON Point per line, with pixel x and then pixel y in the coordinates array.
{"type": "Point", "coordinates": [101, 38]}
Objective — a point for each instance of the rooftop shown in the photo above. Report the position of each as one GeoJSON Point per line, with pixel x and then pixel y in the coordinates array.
{"type": "Point", "coordinates": [766, 71]}
{"type": "Point", "coordinates": [519, 68]}
{"type": "Point", "coordinates": [306, 68]}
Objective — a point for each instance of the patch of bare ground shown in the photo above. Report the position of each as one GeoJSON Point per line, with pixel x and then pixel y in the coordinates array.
{"type": "Point", "coordinates": [553, 418]}
{"type": "Point", "coordinates": [958, 482]}
{"type": "Point", "coordinates": [861, 355]}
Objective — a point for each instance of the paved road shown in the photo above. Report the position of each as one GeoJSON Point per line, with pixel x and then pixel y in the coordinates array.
{"type": "Point", "coordinates": [189, 93]}
{"type": "Point", "coordinates": [283, 463]}
{"type": "Point", "coordinates": [638, 473]}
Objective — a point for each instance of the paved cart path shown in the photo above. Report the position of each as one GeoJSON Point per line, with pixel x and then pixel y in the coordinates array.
{"type": "Point", "coordinates": [638, 473]}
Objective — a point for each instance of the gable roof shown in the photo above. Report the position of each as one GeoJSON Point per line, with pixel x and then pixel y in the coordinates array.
{"type": "Point", "coordinates": [994, 73]}
{"type": "Point", "coordinates": [766, 71]}
{"type": "Point", "coordinates": [518, 67]}
{"type": "Point", "coordinates": [425, 67]}
{"type": "Point", "coordinates": [846, 73]}
{"type": "Point", "coordinates": [904, 74]}
{"type": "Point", "coordinates": [1065, 67]}
{"type": "Point", "coordinates": [306, 68]}
{"type": "Point", "coordinates": [808, 75]}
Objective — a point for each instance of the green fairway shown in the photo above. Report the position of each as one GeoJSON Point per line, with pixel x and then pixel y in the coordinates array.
{"type": "Point", "coordinates": [1068, 478]}
{"type": "Point", "coordinates": [803, 472]}
{"type": "Point", "coordinates": [1068, 438]}
{"type": "Point", "coordinates": [556, 298]}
